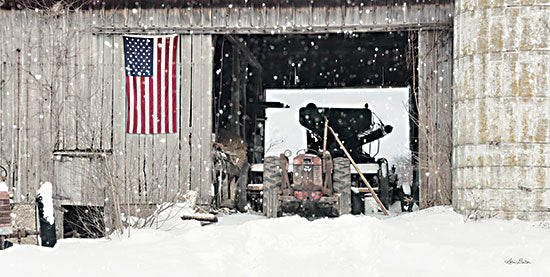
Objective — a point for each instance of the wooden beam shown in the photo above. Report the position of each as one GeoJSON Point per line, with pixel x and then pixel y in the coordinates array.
{"type": "Point", "coordinates": [246, 52]}
{"type": "Point", "coordinates": [274, 30]}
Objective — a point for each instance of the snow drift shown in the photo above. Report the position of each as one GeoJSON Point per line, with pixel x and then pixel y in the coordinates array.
{"type": "Point", "coordinates": [433, 242]}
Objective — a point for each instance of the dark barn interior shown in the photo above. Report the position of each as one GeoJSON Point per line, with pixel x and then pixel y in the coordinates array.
{"type": "Point", "coordinates": [332, 60]}
{"type": "Point", "coordinates": [245, 66]}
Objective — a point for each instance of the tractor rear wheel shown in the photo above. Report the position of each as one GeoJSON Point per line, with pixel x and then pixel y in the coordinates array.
{"type": "Point", "coordinates": [272, 180]}
{"type": "Point", "coordinates": [341, 182]}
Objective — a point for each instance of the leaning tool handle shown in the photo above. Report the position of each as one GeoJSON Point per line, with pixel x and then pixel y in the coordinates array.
{"type": "Point", "coordinates": [359, 171]}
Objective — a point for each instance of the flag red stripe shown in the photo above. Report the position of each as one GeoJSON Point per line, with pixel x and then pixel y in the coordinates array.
{"type": "Point", "coordinates": [166, 84]}
{"type": "Point", "coordinates": [174, 61]}
{"type": "Point", "coordinates": [159, 84]}
{"type": "Point", "coordinates": [143, 93]}
{"type": "Point", "coordinates": [135, 104]}
{"type": "Point", "coordinates": [128, 104]}
{"type": "Point", "coordinates": [151, 106]}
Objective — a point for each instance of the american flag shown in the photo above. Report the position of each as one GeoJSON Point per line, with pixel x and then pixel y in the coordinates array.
{"type": "Point", "coordinates": [152, 83]}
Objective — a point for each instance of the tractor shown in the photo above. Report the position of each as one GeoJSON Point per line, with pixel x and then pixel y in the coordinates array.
{"type": "Point", "coordinates": [322, 182]}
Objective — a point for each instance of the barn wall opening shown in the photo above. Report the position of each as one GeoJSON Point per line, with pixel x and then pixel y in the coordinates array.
{"type": "Point", "coordinates": [246, 66]}
{"type": "Point", "coordinates": [83, 221]}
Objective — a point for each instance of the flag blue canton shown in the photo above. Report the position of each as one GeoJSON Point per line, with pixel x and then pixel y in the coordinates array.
{"type": "Point", "coordinates": [138, 56]}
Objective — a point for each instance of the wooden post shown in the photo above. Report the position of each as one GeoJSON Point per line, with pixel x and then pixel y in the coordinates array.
{"type": "Point", "coordinates": [325, 137]}
{"type": "Point", "coordinates": [359, 171]}
{"type": "Point", "coordinates": [235, 91]}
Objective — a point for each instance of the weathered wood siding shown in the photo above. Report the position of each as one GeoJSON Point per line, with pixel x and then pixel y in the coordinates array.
{"type": "Point", "coordinates": [63, 106]}
{"type": "Point", "coordinates": [62, 92]}
{"type": "Point", "coordinates": [283, 18]}
{"type": "Point", "coordinates": [435, 111]}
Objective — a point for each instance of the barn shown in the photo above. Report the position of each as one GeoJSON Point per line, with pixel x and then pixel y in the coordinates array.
{"type": "Point", "coordinates": [478, 81]}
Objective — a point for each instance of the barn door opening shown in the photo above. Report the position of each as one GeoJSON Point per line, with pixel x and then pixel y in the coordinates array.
{"type": "Point", "coordinates": [246, 66]}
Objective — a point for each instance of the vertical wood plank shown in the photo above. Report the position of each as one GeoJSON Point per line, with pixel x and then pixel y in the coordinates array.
{"type": "Point", "coordinates": [132, 168]}
{"type": "Point", "coordinates": [257, 14]}
{"type": "Point", "coordinates": [271, 17]}
{"type": "Point", "coordinates": [68, 185]}
{"type": "Point", "coordinates": [69, 88]}
{"type": "Point", "coordinates": [50, 82]}
{"type": "Point", "coordinates": [424, 45]}
{"type": "Point", "coordinates": [206, 16]}
{"type": "Point", "coordinates": [152, 147]}
{"type": "Point", "coordinates": [303, 16]}
{"type": "Point", "coordinates": [147, 190]}
{"type": "Point", "coordinates": [82, 81]}
{"type": "Point", "coordinates": [352, 16]}
{"type": "Point", "coordinates": [173, 17]}
{"type": "Point", "coordinates": [96, 65]}
{"type": "Point", "coordinates": [233, 16]}
{"type": "Point", "coordinates": [185, 113]}
{"type": "Point", "coordinates": [196, 16]}
{"type": "Point", "coordinates": [45, 125]}
{"type": "Point", "coordinates": [435, 130]}
{"type": "Point", "coordinates": [245, 16]}
{"type": "Point", "coordinates": [156, 165]}
{"type": "Point", "coordinates": [185, 19]}
{"type": "Point", "coordinates": [397, 15]}
{"type": "Point", "coordinates": [107, 93]}
{"type": "Point", "coordinates": [380, 15]}
{"type": "Point", "coordinates": [24, 112]}
{"type": "Point", "coordinates": [37, 151]}
{"type": "Point", "coordinates": [206, 119]}
{"type": "Point", "coordinates": [201, 160]}
{"type": "Point", "coordinates": [219, 16]}
{"type": "Point", "coordinates": [367, 15]}
{"type": "Point", "coordinates": [7, 100]}
{"type": "Point", "coordinates": [196, 144]}
{"type": "Point", "coordinates": [287, 16]}
{"type": "Point", "coordinates": [334, 16]}
{"type": "Point", "coordinates": [172, 181]}
{"type": "Point", "coordinates": [118, 161]}
{"type": "Point", "coordinates": [319, 15]}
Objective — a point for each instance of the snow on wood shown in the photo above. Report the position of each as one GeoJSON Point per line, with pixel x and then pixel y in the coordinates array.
{"type": "Point", "coordinates": [3, 186]}
{"type": "Point", "coordinates": [45, 192]}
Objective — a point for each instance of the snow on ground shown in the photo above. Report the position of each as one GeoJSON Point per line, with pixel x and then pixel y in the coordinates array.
{"type": "Point", "coordinates": [432, 242]}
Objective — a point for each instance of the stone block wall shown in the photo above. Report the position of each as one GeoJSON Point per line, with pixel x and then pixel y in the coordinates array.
{"type": "Point", "coordinates": [501, 109]}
